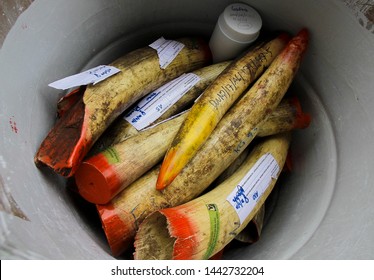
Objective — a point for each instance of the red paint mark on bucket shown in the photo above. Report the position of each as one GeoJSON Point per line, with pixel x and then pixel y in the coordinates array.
{"type": "Point", "coordinates": [13, 125]}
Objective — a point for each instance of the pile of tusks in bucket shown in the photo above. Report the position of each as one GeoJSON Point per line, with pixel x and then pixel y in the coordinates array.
{"type": "Point", "coordinates": [196, 178]}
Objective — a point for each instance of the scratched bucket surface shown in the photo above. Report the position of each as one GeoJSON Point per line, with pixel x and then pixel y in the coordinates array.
{"type": "Point", "coordinates": [323, 209]}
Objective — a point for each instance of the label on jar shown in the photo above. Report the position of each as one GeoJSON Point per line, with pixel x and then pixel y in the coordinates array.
{"type": "Point", "coordinates": [155, 104]}
{"type": "Point", "coordinates": [246, 194]}
{"type": "Point", "coordinates": [91, 76]}
{"type": "Point", "coordinates": [167, 50]}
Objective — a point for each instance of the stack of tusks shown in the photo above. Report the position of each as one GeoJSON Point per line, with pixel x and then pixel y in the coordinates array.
{"type": "Point", "coordinates": [124, 188]}
{"type": "Point", "coordinates": [197, 228]}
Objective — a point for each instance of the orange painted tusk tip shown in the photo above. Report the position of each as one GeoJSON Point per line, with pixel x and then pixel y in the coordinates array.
{"type": "Point", "coordinates": [167, 171]}
{"type": "Point", "coordinates": [303, 120]}
{"type": "Point", "coordinates": [160, 186]}
{"type": "Point", "coordinates": [162, 181]}
{"type": "Point", "coordinates": [294, 100]}
{"type": "Point", "coordinates": [165, 178]}
{"type": "Point", "coordinates": [115, 229]}
{"type": "Point", "coordinates": [303, 36]}
{"type": "Point", "coordinates": [96, 183]}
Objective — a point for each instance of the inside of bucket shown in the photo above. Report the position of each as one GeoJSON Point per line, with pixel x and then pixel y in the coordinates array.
{"type": "Point", "coordinates": [295, 193]}
{"type": "Point", "coordinates": [62, 218]}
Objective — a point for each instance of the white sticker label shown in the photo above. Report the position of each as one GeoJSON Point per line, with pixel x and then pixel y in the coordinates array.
{"type": "Point", "coordinates": [152, 106]}
{"type": "Point", "coordinates": [167, 50]}
{"type": "Point", "coordinates": [166, 120]}
{"type": "Point", "coordinates": [247, 193]}
{"type": "Point", "coordinates": [91, 76]}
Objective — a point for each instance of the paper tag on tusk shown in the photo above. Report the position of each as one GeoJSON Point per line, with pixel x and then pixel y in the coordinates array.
{"type": "Point", "coordinates": [91, 76]}
{"type": "Point", "coordinates": [151, 107]}
{"type": "Point", "coordinates": [166, 120]}
{"type": "Point", "coordinates": [249, 190]}
{"type": "Point", "coordinates": [167, 50]}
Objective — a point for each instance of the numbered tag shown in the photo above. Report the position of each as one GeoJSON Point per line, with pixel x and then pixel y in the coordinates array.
{"type": "Point", "coordinates": [167, 50]}
{"type": "Point", "coordinates": [91, 76]}
{"type": "Point", "coordinates": [152, 106]}
{"type": "Point", "coordinates": [247, 193]}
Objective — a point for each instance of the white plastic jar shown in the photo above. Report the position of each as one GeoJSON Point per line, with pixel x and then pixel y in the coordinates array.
{"type": "Point", "coordinates": [237, 27]}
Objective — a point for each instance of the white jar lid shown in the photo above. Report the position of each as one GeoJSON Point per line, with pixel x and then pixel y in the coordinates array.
{"type": "Point", "coordinates": [240, 23]}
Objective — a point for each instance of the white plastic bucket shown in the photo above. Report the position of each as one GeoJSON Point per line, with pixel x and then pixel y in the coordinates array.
{"type": "Point", "coordinates": [324, 209]}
